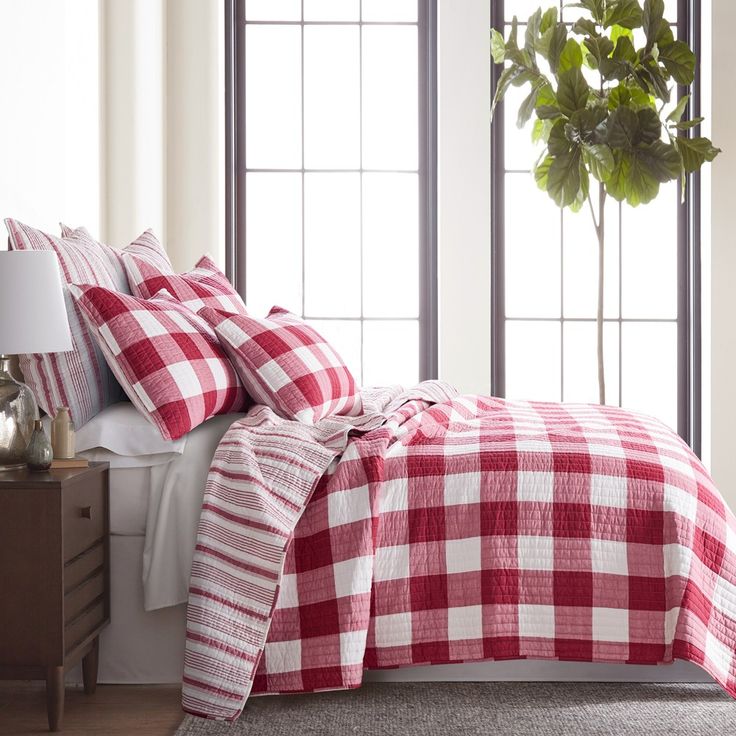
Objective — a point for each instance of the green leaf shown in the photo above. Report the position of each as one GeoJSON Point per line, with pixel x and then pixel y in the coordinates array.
{"type": "Point", "coordinates": [650, 127]}
{"type": "Point", "coordinates": [687, 124]}
{"type": "Point", "coordinates": [661, 160]}
{"type": "Point", "coordinates": [585, 27]}
{"type": "Point", "coordinates": [695, 152]}
{"type": "Point", "coordinates": [548, 112]}
{"type": "Point", "coordinates": [557, 41]}
{"type": "Point", "coordinates": [625, 13]}
{"type": "Point", "coordinates": [532, 31]}
{"type": "Point", "coordinates": [571, 56]}
{"type": "Point", "coordinates": [549, 19]}
{"type": "Point", "coordinates": [623, 128]}
{"type": "Point", "coordinates": [640, 186]}
{"type": "Point", "coordinates": [588, 126]}
{"type": "Point", "coordinates": [677, 112]}
{"type": "Point", "coordinates": [599, 160]}
{"type": "Point", "coordinates": [594, 7]}
{"type": "Point", "coordinates": [599, 48]}
{"type": "Point", "coordinates": [650, 79]}
{"type": "Point", "coordinates": [618, 31]}
{"type": "Point", "coordinates": [563, 178]}
{"type": "Point", "coordinates": [498, 47]}
{"type": "Point", "coordinates": [615, 186]}
{"type": "Point", "coordinates": [558, 142]}
{"type": "Point", "coordinates": [527, 108]}
{"type": "Point", "coordinates": [625, 50]}
{"type": "Point", "coordinates": [504, 81]}
{"type": "Point", "coordinates": [651, 19]}
{"type": "Point", "coordinates": [541, 172]}
{"type": "Point", "coordinates": [541, 130]}
{"type": "Point", "coordinates": [572, 91]}
{"type": "Point", "coordinates": [679, 61]}
{"type": "Point", "coordinates": [665, 36]}
{"type": "Point", "coordinates": [632, 96]}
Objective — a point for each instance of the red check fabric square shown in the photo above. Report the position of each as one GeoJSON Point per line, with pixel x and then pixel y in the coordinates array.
{"type": "Point", "coordinates": [203, 286]}
{"type": "Point", "coordinates": [166, 358]}
{"type": "Point", "coordinates": [287, 365]}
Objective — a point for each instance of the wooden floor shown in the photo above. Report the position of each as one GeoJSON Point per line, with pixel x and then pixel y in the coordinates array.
{"type": "Point", "coordinates": [114, 710]}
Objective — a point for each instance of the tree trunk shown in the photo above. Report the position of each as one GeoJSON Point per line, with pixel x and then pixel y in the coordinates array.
{"type": "Point", "coordinates": [601, 232]}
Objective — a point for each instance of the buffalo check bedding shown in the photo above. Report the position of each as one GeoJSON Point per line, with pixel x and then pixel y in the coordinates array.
{"type": "Point", "coordinates": [441, 528]}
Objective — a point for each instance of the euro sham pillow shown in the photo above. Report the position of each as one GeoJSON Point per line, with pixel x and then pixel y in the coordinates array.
{"type": "Point", "coordinates": [167, 359]}
{"type": "Point", "coordinates": [204, 286]}
{"type": "Point", "coordinates": [286, 364]}
{"type": "Point", "coordinates": [145, 246]}
{"type": "Point", "coordinates": [79, 378]}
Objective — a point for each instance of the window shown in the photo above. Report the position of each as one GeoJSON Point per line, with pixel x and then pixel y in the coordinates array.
{"type": "Point", "coordinates": [331, 158]}
{"type": "Point", "coordinates": [545, 279]}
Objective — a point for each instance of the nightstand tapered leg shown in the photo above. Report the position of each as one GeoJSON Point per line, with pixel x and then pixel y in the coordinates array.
{"type": "Point", "coordinates": [89, 667]}
{"type": "Point", "coordinates": [55, 697]}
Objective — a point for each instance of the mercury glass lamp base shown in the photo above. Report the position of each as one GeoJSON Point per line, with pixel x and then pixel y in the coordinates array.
{"type": "Point", "coordinates": [18, 410]}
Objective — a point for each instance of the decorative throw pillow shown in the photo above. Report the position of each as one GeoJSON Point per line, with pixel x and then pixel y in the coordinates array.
{"type": "Point", "coordinates": [79, 378]}
{"type": "Point", "coordinates": [166, 358]}
{"type": "Point", "coordinates": [287, 365]}
{"type": "Point", "coordinates": [145, 246]}
{"type": "Point", "coordinates": [204, 286]}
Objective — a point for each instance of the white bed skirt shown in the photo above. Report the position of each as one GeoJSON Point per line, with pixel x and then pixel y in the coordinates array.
{"type": "Point", "coordinates": [142, 647]}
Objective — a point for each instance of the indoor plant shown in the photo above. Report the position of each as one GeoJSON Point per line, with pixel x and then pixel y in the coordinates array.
{"type": "Point", "coordinates": [624, 130]}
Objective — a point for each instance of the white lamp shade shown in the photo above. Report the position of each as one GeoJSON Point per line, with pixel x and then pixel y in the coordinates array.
{"type": "Point", "coordinates": [32, 311]}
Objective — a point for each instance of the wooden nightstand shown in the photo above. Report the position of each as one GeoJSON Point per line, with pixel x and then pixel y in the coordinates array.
{"type": "Point", "coordinates": [54, 576]}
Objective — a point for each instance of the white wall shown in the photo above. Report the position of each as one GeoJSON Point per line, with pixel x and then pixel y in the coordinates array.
{"type": "Point", "coordinates": [723, 253]}
{"type": "Point", "coordinates": [464, 198]}
{"type": "Point", "coordinates": [50, 112]}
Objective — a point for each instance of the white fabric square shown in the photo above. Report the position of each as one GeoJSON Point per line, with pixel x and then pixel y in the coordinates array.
{"type": "Point", "coordinates": [535, 553]}
{"type": "Point", "coordinates": [185, 378]}
{"type": "Point", "coordinates": [353, 576]}
{"type": "Point", "coordinates": [609, 490]}
{"type": "Point", "coordinates": [718, 653]}
{"type": "Point", "coordinates": [308, 356]}
{"type": "Point", "coordinates": [535, 486]}
{"type": "Point", "coordinates": [148, 322]}
{"type": "Point", "coordinates": [392, 563]}
{"type": "Point", "coordinates": [217, 368]}
{"type": "Point", "coordinates": [462, 555]}
{"type": "Point", "coordinates": [724, 596]}
{"type": "Point", "coordinates": [395, 495]}
{"type": "Point", "coordinates": [670, 624]}
{"type": "Point", "coordinates": [611, 624]}
{"type": "Point", "coordinates": [288, 591]}
{"type": "Point", "coordinates": [465, 622]}
{"type": "Point", "coordinates": [345, 507]}
{"type": "Point", "coordinates": [352, 647]}
{"type": "Point", "coordinates": [681, 502]}
{"type": "Point", "coordinates": [284, 656]}
{"type": "Point", "coordinates": [537, 621]}
{"type": "Point", "coordinates": [609, 557]}
{"type": "Point", "coordinates": [462, 489]}
{"type": "Point", "coordinates": [394, 629]}
{"type": "Point", "coordinates": [109, 338]}
{"type": "Point", "coordinates": [677, 560]}
{"type": "Point", "coordinates": [275, 375]}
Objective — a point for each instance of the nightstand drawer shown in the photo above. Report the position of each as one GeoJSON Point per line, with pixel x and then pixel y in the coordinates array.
{"type": "Point", "coordinates": [84, 566]}
{"type": "Point", "coordinates": [83, 595]}
{"type": "Point", "coordinates": [83, 516]}
{"type": "Point", "coordinates": [84, 624]}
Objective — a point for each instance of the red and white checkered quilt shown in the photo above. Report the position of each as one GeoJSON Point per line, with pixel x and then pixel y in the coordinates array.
{"type": "Point", "coordinates": [450, 528]}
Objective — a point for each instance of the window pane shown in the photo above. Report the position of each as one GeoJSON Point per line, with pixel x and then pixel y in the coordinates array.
{"type": "Point", "coordinates": [522, 9]}
{"type": "Point", "coordinates": [274, 239]}
{"type": "Point", "coordinates": [332, 10]}
{"type": "Point", "coordinates": [273, 10]}
{"type": "Point", "coordinates": [331, 97]}
{"type": "Point", "coordinates": [649, 369]}
{"type": "Point", "coordinates": [273, 112]}
{"type": "Point", "coordinates": [344, 337]}
{"type": "Point", "coordinates": [649, 257]}
{"type": "Point", "coordinates": [332, 245]}
{"type": "Point", "coordinates": [390, 352]}
{"type": "Point", "coordinates": [390, 97]}
{"type": "Point", "coordinates": [533, 360]}
{"type": "Point", "coordinates": [580, 255]}
{"type": "Point", "coordinates": [390, 10]}
{"type": "Point", "coordinates": [532, 250]}
{"type": "Point", "coordinates": [391, 245]}
{"type": "Point", "coordinates": [581, 362]}
{"type": "Point", "coordinates": [519, 152]}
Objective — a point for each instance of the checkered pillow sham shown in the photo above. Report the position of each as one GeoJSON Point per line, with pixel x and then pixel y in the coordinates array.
{"type": "Point", "coordinates": [204, 286]}
{"type": "Point", "coordinates": [79, 378]}
{"type": "Point", "coordinates": [166, 358]}
{"type": "Point", "coordinates": [146, 246]}
{"type": "Point", "coordinates": [287, 365]}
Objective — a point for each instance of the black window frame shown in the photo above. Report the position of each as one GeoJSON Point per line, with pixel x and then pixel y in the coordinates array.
{"type": "Point", "coordinates": [689, 270]}
{"type": "Point", "coordinates": [235, 168]}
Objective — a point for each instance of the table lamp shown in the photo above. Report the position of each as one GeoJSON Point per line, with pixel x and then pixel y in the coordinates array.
{"type": "Point", "coordinates": [32, 320]}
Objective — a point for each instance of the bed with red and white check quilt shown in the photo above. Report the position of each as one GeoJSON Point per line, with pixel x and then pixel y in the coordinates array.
{"type": "Point", "coordinates": [440, 528]}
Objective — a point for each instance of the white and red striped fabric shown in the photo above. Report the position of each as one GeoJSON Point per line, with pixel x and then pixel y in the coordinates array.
{"type": "Point", "coordinates": [204, 286]}
{"type": "Point", "coordinates": [80, 378]}
{"type": "Point", "coordinates": [145, 246]}
{"type": "Point", "coordinates": [166, 358]}
{"type": "Point", "coordinates": [287, 365]}
{"type": "Point", "coordinates": [450, 529]}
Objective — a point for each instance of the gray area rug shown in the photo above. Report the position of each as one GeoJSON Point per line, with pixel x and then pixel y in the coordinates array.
{"type": "Point", "coordinates": [494, 708]}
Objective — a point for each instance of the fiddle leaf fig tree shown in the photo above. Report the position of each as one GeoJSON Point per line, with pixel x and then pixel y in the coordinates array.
{"type": "Point", "coordinates": [603, 109]}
